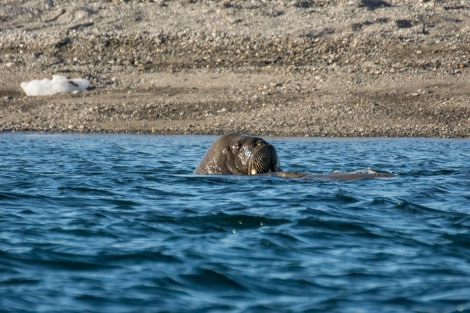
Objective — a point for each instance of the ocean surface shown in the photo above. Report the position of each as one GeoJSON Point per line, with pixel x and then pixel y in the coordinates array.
{"type": "Point", "coordinates": [118, 223]}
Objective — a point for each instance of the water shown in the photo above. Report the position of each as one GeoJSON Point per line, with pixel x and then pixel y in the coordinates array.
{"type": "Point", "coordinates": [118, 223]}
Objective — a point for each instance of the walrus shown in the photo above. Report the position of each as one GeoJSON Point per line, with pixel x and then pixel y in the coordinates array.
{"type": "Point", "coordinates": [239, 155]}
{"type": "Point", "coordinates": [247, 155]}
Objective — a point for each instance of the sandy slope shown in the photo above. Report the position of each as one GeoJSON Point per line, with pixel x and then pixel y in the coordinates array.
{"type": "Point", "coordinates": [284, 68]}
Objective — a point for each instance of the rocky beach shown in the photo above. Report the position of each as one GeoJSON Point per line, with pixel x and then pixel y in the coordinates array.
{"type": "Point", "coordinates": [340, 68]}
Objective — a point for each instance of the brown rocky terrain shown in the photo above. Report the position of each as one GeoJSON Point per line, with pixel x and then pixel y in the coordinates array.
{"type": "Point", "coordinates": [282, 68]}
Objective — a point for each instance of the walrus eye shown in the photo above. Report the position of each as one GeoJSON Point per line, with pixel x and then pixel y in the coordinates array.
{"type": "Point", "coordinates": [237, 146]}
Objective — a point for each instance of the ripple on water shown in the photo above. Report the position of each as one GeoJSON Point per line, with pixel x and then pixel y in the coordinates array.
{"type": "Point", "coordinates": [119, 223]}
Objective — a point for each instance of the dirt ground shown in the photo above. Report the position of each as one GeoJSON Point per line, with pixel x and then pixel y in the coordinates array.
{"type": "Point", "coordinates": [280, 68]}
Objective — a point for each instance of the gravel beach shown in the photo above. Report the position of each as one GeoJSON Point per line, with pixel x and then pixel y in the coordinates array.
{"type": "Point", "coordinates": [343, 68]}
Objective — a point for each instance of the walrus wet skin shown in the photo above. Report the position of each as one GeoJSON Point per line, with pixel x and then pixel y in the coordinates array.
{"type": "Point", "coordinates": [241, 155]}
{"type": "Point", "coordinates": [246, 155]}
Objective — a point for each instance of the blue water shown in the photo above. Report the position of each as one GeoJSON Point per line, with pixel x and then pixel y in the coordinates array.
{"type": "Point", "coordinates": [118, 223]}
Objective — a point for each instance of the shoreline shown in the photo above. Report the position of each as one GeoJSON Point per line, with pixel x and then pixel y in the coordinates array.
{"type": "Point", "coordinates": [325, 69]}
{"type": "Point", "coordinates": [216, 135]}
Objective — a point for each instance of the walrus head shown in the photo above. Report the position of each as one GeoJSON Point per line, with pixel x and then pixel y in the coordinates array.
{"type": "Point", "coordinates": [237, 154]}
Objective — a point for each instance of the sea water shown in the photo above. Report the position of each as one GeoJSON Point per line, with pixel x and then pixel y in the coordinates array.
{"type": "Point", "coordinates": [119, 223]}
